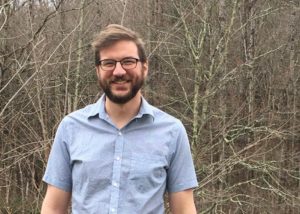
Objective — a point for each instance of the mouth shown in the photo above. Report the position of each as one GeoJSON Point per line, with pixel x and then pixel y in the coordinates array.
{"type": "Point", "coordinates": [120, 84]}
{"type": "Point", "coordinates": [119, 81]}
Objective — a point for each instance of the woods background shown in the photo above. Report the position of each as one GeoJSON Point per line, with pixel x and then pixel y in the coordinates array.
{"type": "Point", "coordinates": [229, 69]}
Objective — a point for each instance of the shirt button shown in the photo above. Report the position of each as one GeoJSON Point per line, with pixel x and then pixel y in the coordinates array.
{"type": "Point", "coordinates": [118, 158]}
{"type": "Point", "coordinates": [113, 210]}
{"type": "Point", "coordinates": [115, 184]}
{"type": "Point", "coordinates": [120, 133]}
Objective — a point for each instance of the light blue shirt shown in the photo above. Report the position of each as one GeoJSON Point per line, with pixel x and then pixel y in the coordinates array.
{"type": "Point", "coordinates": [124, 171]}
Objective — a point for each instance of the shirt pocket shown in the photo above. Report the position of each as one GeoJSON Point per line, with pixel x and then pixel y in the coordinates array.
{"type": "Point", "coordinates": [147, 172]}
{"type": "Point", "coordinates": [98, 171]}
{"type": "Point", "coordinates": [92, 178]}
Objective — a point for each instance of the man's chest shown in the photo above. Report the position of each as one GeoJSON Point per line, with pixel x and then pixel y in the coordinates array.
{"type": "Point", "coordinates": [106, 160]}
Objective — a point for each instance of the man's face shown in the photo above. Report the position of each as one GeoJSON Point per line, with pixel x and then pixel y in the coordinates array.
{"type": "Point", "coordinates": [121, 85]}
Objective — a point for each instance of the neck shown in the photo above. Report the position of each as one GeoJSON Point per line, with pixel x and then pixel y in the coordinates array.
{"type": "Point", "coordinates": [121, 114]}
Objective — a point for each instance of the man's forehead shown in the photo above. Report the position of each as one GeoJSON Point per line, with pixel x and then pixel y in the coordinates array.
{"type": "Point", "coordinates": [119, 49]}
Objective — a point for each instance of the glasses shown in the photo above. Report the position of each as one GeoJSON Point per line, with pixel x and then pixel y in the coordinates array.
{"type": "Point", "coordinates": [126, 63]}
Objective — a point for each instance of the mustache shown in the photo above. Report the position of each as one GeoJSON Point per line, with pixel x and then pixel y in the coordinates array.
{"type": "Point", "coordinates": [119, 79]}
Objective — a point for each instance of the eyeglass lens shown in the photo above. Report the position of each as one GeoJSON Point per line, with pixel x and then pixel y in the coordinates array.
{"type": "Point", "coordinates": [110, 64]}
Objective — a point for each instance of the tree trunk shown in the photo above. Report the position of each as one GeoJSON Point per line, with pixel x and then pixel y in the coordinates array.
{"type": "Point", "coordinates": [294, 78]}
{"type": "Point", "coordinates": [79, 55]}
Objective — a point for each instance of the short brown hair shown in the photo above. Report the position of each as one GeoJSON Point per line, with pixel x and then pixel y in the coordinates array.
{"type": "Point", "coordinates": [114, 33]}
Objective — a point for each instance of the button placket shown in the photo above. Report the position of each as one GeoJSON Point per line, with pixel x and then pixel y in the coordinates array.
{"type": "Point", "coordinates": [114, 199]}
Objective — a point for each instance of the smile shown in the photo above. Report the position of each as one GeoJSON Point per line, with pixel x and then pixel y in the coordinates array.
{"type": "Point", "coordinates": [119, 81]}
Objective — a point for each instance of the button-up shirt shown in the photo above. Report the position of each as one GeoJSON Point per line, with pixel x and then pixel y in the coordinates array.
{"type": "Point", "coordinates": [124, 171]}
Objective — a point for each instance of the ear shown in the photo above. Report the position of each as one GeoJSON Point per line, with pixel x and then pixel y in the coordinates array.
{"type": "Point", "coordinates": [98, 71]}
{"type": "Point", "coordinates": [145, 69]}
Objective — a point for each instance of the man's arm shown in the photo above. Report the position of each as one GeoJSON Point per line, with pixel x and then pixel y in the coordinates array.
{"type": "Point", "coordinates": [182, 202]}
{"type": "Point", "coordinates": [56, 201]}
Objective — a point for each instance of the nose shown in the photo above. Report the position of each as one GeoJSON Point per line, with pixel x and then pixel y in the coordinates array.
{"type": "Point", "coordinates": [119, 70]}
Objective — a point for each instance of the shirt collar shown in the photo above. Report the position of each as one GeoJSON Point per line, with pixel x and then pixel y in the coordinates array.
{"type": "Point", "coordinates": [145, 109]}
{"type": "Point", "coordinates": [99, 108]}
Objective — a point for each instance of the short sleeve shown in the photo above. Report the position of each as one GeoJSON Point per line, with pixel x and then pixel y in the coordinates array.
{"type": "Point", "coordinates": [181, 172]}
{"type": "Point", "coordinates": [58, 170]}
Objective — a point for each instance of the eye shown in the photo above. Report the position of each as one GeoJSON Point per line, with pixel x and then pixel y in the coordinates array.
{"type": "Point", "coordinates": [108, 63]}
{"type": "Point", "coordinates": [128, 61]}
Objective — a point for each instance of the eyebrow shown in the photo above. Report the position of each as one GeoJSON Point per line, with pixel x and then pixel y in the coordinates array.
{"type": "Point", "coordinates": [135, 57]}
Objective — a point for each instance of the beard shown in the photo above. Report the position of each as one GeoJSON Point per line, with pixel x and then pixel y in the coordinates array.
{"type": "Point", "coordinates": [121, 99]}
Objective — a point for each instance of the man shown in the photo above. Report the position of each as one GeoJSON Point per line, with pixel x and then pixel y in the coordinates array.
{"type": "Point", "coordinates": [120, 154]}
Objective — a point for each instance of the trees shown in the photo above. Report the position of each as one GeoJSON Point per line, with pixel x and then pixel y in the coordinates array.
{"type": "Point", "coordinates": [228, 69]}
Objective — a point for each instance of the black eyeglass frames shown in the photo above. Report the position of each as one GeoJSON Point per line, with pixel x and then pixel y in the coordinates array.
{"type": "Point", "coordinates": [126, 63]}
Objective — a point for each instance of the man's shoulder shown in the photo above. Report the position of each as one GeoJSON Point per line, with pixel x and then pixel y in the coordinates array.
{"type": "Point", "coordinates": [165, 117]}
{"type": "Point", "coordinates": [82, 113]}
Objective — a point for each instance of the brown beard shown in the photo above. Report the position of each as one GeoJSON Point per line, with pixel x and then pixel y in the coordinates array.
{"type": "Point", "coordinates": [121, 99]}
